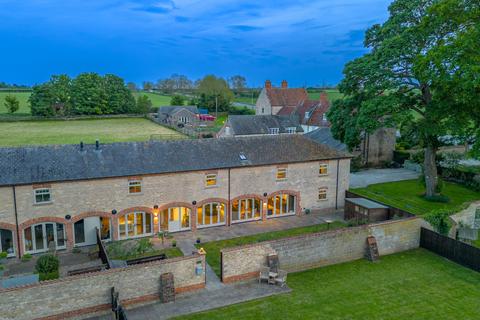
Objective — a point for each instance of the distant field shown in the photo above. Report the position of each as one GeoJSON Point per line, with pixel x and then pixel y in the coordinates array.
{"type": "Point", "coordinates": [21, 96]}
{"type": "Point", "coordinates": [157, 99]}
{"type": "Point", "coordinates": [74, 131]}
{"type": "Point", "coordinates": [332, 94]}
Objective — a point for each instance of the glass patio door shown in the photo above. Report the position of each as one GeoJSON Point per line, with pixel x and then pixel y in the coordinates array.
{"type": "Point", "coordinates": [37, 238]}
{"type": "Point", "coordinates": [6, 242]}
{"type": "Point", "coordinates": [175, 219]}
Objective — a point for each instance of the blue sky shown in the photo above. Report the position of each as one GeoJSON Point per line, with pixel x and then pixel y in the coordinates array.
{"type": "Point", "coordinates": [305, 42]}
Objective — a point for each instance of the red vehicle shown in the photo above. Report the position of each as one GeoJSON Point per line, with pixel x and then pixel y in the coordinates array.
{"type": "Point", "coordinates": [206, 117]}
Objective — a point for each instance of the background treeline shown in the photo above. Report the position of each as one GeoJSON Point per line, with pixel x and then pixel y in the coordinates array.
{"type": "Point", "coordinates": [87, 94]}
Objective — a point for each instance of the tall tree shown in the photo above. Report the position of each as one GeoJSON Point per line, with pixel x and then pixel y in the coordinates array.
{"type": "Point", "coordinates": [409, 75]}
{"type": "Point", "coordinates": [89, 95]}
{"type": "Point", "coordinates": [41, 100]}
{"type": "Point", "coordinates": [238, 83]}
{"type": "Point", "coordinates": [11, 103]}
{"type": "Point", "coordinates": [144, 104]}
{"type": "Point", "coordinates": [177, 100]}
{"type": "Point", "coordinates": [214, 94]}
{"type": "Point", "coordinates": [119, 98]}
{"type": "Point", "coordinates": [147, 85]}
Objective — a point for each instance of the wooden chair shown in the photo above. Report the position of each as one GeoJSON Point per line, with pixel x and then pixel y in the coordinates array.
{"type": "Point", "coordinates": [281, 278]}
{"type": "Point", "coordinates": [264, 274]}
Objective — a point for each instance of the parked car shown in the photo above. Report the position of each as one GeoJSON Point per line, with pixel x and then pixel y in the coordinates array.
{"type": "Point", "coordinates": [206, 117]}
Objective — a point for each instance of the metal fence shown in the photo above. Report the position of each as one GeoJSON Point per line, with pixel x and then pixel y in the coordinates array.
{"type": "Point", "coordinates": [452, 249]}
{"type": "Point", "coordinates": [117, 308]}
{"type": "Point", "coordinates": [102, 251]}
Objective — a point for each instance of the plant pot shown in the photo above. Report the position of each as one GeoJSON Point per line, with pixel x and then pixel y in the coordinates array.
{"type": "Point", "coordinates": [198, 241]}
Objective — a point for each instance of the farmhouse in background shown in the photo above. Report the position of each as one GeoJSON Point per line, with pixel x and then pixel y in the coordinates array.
{"type": "Point", "coordinates": [174, 115]}
{"type": "Point", "coordinates": [58, 196]}
{"type": "Point", "coordinates": [311, 114]}
{"type": "Point", "coordinates": [250, 125]}
{"type": "Point", "coordinates": [375, 149]}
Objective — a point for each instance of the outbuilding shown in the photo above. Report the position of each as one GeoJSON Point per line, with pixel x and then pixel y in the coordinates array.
{"type": "Point", "coordinates": [366, 210]}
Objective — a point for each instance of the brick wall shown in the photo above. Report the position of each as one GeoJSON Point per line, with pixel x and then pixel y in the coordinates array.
{"type": "Point", "coordinates": [320, 249]}
{"type": "Point", "coordinates": [79, 295]}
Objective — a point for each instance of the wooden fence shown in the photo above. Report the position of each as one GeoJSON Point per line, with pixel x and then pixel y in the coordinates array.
{"type": "Point", "coordinates": [452, 249]}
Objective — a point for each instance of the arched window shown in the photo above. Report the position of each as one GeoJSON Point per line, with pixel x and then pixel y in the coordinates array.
{"type": "Point", "coordinates": [175, 219]}
{"type": "Point", "coordinates": [84, 231]}
{"type": "Point", "coordinates": [211, 214]}
{"type": "Point", "coordinates": [40, 237]}
{"type": "Point", "coordinates": [135, 224]}
{"type": "Point", "coordinates": [281, 204]}
{"type": "Point", "coordinates": [6, 242]}
{"type": "Point", "coordinates": [246, 210]}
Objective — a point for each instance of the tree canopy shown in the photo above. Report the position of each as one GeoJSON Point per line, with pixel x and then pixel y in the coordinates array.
{"type": "Point", "coordinates": [214, 92]}
{"type": "Point", "coordinates": [87, 94]}
{"type": "Point", "coordinates": [422, 67]}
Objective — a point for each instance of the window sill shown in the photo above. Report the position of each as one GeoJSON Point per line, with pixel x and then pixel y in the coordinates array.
{"type": "Point", "coordinates": [211, 187]}
{"type": "Point", "coordinates": [42, 203]}
{"type": "Point", "coordinates": [135, 194]}
{"type": "Point", "coordinates": [281, 180]}
{"type": "Point", "coordinates": [322, 199]}
{"type": "Point", "coordinates": [323, 175]}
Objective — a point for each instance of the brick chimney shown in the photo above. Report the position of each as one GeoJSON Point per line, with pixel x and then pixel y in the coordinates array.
{"type": "Point", "coordinates": [284, 84]}
{"type": "Point", "coordinates": [268, 84]}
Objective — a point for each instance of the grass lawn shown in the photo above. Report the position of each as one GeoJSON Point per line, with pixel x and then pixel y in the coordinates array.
{"type": "Point", "coordinates": [415, 284]}
{"type": "Point", "coordinates": [21, 96]}
{"type": "Point", "coordinates": [157, 99]}
{"type": "Point", "coordinates": [332, 94]}
{"type": "Point", "coordinates": [74, 131]}
{"type": "Point", "coordinates": [407, 195]}
{"type": "Point", "coordinates": [213, 248]}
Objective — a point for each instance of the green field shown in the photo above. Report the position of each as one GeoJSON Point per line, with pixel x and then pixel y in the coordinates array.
{"type": "Point", "coordinates": [21, 96]}
{"type": "Point", "coordinates": [412, 285]}
{"type": "Point", "coordinates": [213, 248]}
{"type": "Point", "coordinates": [74, 131]}
{"type": "Point", "coordinates": [157, 99]}
{"type": "Point", "coordinates": [407, 195]}
{"type": "Point", "coordinates": [332, 94]}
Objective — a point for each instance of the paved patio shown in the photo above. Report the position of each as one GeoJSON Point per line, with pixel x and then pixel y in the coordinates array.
{"type": "Point", "coordinates": [68, 261]}
{"type": "Point", "coordinates": [365, 178]}
{"type": "Point", "coordinates": [256, 227]}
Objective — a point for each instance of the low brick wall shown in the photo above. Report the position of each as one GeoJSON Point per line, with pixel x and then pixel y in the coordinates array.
{"type": "Point", "coordinates": [78, 296]}
{"type": "Point", "coordinates": [320, 249]}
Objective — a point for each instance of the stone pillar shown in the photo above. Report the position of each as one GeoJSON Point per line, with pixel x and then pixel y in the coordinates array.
{"type": "Point", "coordinates": [193, 219]}
{"type": "Point", "coordinates": [69, 235]}
{"type": "Point", "coordinates": [264, 208]}
{"type": "Point", "coordinates": [114, 230]}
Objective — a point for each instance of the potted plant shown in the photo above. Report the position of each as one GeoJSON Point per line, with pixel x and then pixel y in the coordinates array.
{"type": "Point", "coordinates": [3, 256]}
{"type": "Point", "coordinates": [198, 240]}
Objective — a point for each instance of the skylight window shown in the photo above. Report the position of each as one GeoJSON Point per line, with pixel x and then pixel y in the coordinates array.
{"type": "Point", "coordinates": [243, 157]}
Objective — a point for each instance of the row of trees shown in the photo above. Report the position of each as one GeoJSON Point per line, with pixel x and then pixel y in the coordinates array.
{"type": "Point", "coordinates": [87, 94]}
{"type": "Point", "coordinates": [181, 83]}
{"type": "Point", "coordinates": [423, 69]}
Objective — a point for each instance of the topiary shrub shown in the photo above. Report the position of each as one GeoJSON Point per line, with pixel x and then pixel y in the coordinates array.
{"type": "Point", "coordinates": [47, 267]}
{"type": "Point", "coordinates": [26, 257]}
{"type": "Point", "coordinates": [440, 220]}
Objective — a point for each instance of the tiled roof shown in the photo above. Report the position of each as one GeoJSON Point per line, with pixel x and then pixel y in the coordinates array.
{"type": "Point", "coordinates": [40, 164]}
{"type": "Point", "coordinates": [250, 124]}
{"type": "Point", "coordinates": [286, 96]}
{"type": "Point", "coordinates": [324, 136]}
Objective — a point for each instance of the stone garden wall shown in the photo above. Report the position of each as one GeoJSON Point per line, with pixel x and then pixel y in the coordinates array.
{"type": "Point", "coordinates": [80, 295]}
{"type": "Point", "coordinates": [320, 249]}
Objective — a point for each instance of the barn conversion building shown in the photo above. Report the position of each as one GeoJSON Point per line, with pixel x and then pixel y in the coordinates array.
{"type": "Point", "coordinates": [59, 195]}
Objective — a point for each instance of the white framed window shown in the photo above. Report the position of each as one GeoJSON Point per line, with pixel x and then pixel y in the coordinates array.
{"type": "Point", "coordinates": [281, 173]}
{"type": "Point", "coordinates": [280, 205]}
{"type": "Point", "coordinates": [273, 130]}
{"type": "Point", "coordinates": [134, 186]}
{"type": "Point", "coordinates": [42, 195]}
{"type": "Point", "coordinates": [291, 130]}
{"type": "Point", "coordinates": [322, 194]}
{"type": "Point", "coordinates": [324, 117]}
{"type": "Point", "coordinates": [210, 180]}
{"type": "Point", "coordinates": [246, 210]}
{"type": "Point", "coordinates": [135, 224]}
{"type": "Point", "coordinates": [323, 169]}
{"type": "Point", "coordinates": [40, 237]}
{"type": "Point", "coordinates": [211, 214]}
